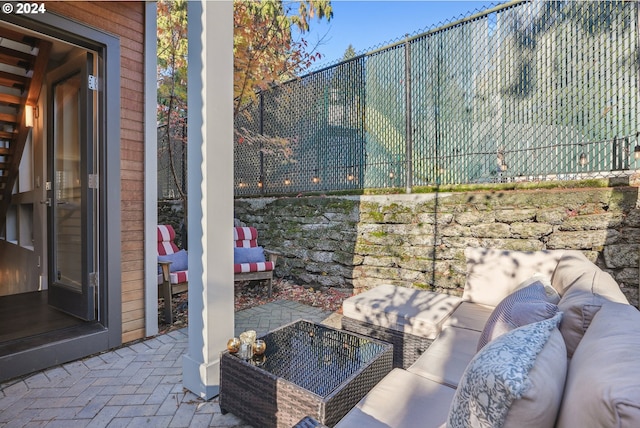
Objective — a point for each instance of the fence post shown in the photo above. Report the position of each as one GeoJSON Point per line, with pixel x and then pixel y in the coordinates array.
{"type": "Point", "coordinates": [261, 147]}
{"type": "Point", "coordinates": [438, 63]}
{"type": "Point", "coordinates": [408, 130]}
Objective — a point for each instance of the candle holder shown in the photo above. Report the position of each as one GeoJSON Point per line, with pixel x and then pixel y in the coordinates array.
{"type": "Point", "coordinates": [247, 338]}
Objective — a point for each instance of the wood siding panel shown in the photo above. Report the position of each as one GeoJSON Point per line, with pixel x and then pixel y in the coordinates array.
{"type": "Point", "coordinates": [132, 276]}
{"type": "Point", "coordinates": [129, 174]}
{"type": "Point", "coordinates": [133, 215]}
{"type": "Point", "coordinates": [132, 333]}
{"type": "Point", "coordinates": [132, 134]}
{"type": "Point", "coordinates": [126, 21]}
{"type": "Point", "coordinates": [132, 246]}
{"type": "Point", "coordinates": [132, 300]}
{"type": "Point", "coordinates": [131, 75]}
{"type": "Point", "coordinates": [132, 285]}
{"type": "Point", "coordinates": [128, 153]}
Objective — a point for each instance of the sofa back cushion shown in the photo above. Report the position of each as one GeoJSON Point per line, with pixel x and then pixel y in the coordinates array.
{"type": "Point", "coordinates": [515, 381]}
{"type": "Point", "coordinates": [584, 287]}
{"type": "Point", "coordinates": [493, 274]}
{"type": "Point", "coordinates": [574, 271]}
{"type": "Point", "coordinates": [570, 267]}
{"type": "Point", "coordinates": [602, 388]}
{"type": "Point", "coordinates": [578, 308]}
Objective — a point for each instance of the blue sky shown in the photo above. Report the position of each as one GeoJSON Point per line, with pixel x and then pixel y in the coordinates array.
{"type": "Point", "coordinates": [370, 23]}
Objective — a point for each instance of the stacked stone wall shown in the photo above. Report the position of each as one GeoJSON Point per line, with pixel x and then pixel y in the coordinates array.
{"type": "Point", "coordinates": [419, 240]}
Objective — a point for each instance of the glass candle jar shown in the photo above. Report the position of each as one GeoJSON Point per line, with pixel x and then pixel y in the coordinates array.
{"type": "Point", "coordinates": [246, 344]}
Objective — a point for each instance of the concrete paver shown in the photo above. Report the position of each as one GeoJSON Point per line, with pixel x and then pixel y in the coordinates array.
{"type": "Point", "coordinates": [139, 385]}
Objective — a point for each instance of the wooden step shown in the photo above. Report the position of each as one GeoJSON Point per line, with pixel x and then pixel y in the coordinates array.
{"type": "Point", "coordinates": [10, 99]}
{"type": "Point", "coordinates": [13, 80]}
{"type": "Point", "coordinates": [8, 118]}
{"type": "Point", "coordinates": [7, 135]}
{"type": "Point", "coordinates": [16, 58]}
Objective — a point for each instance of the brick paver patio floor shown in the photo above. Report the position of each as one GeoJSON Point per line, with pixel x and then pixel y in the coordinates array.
{"type": "Point", "coordinates": [136, 385]}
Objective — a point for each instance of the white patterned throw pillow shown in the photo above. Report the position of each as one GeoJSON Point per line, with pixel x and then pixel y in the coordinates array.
{"type": "Point", "coordinates": [499, 375]}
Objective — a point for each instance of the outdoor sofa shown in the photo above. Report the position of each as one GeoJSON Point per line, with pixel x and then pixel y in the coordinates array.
{"type": "Point", "coordinates": [566, 356]}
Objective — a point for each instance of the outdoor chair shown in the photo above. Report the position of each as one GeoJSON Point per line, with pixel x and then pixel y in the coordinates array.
{"type": "Point", "coordinates": [173, 274]}
{"type": "Point", "coordinates": [249, 259]}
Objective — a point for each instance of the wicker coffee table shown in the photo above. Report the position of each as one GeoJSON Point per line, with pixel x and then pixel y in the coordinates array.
{"type": "Point", "coordinates": [307, 370]}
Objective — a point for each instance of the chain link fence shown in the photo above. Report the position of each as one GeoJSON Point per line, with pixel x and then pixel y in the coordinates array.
{"type": "Point", "coordinates": [524, 91]}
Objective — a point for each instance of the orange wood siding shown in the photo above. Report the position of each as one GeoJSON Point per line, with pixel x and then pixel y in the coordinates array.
{"type": "Point", "coordinates": [125, 20]}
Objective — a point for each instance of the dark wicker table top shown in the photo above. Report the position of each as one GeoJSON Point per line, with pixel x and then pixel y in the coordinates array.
{"type": "Point", "coordinates": [317, 358]}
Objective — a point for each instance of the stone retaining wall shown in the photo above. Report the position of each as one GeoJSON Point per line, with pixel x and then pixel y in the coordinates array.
{"type": "Point", "coordinates": [418, 240]}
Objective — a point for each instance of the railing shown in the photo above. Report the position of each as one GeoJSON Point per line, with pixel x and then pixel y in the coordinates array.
{"type": "Point", "coordinates": [525, 91]}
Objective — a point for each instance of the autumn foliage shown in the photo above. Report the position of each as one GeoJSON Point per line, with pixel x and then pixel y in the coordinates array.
{"type": "Point", "coordinates": [172, 85]}
{"type": "Point", "coordinates": [265, 52]}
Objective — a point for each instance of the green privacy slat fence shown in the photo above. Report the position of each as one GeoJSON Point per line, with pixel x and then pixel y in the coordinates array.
{"type": "Point", "coordinates": [526, 91]}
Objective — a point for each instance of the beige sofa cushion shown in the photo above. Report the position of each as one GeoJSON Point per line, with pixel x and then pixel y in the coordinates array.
{"type": "Point", "coordinates": [418, 312]}
{"type": "Point", "coordinates": [448, 356]}
{"type": "Point", "coordinates": [472, 316]}
{"type": "Point", "coordinates": [584, 287]}
{"type": "Point", "coordinates": [515, 381]}
{"type": "Point", "coordinates": [578, 307]}
{"type": "Point", "coordinates": [602, 387]}
{"type": "Point", "coordinates": [493, 274]}
{"type": "Point", "coordinates": [574, 271]}
{"type": "Point", "coordinates": [571, 265]}
{"type": "Point", "coordinates": [404, 400]}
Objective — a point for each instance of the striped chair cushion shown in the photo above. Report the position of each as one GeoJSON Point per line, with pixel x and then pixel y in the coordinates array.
{"type": "Point", "coordinates": [179, 276]}
{"type": "Point", "coordinates": [166, 246]}
{"type": "Point", "coordinates": [166, 235]}
{"type": "Point", "coordinates": [253, 267]}
{"type": "Point", "coordinates": [245, 237]}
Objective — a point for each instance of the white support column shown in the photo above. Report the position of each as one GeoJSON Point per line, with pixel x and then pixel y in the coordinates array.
{"type": "Point", "coordinates": [151, 170]}
{"type": "Point", "coordinates": [210, 193]}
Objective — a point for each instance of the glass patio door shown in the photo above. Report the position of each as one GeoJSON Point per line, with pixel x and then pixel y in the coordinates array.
{"type": "Point", "coordinates": [70, 189]}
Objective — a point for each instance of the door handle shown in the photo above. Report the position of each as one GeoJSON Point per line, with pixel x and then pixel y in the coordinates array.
{"type": "Point", "coordinates": [46, 202]}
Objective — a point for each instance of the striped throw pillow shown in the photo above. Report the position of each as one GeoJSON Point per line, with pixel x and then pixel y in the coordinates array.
{"type": "Point", "coordinates": [524, 306]}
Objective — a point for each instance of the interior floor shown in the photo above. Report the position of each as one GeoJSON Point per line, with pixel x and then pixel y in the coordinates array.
{"type": "Point", "coordinates": [28, 315]}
